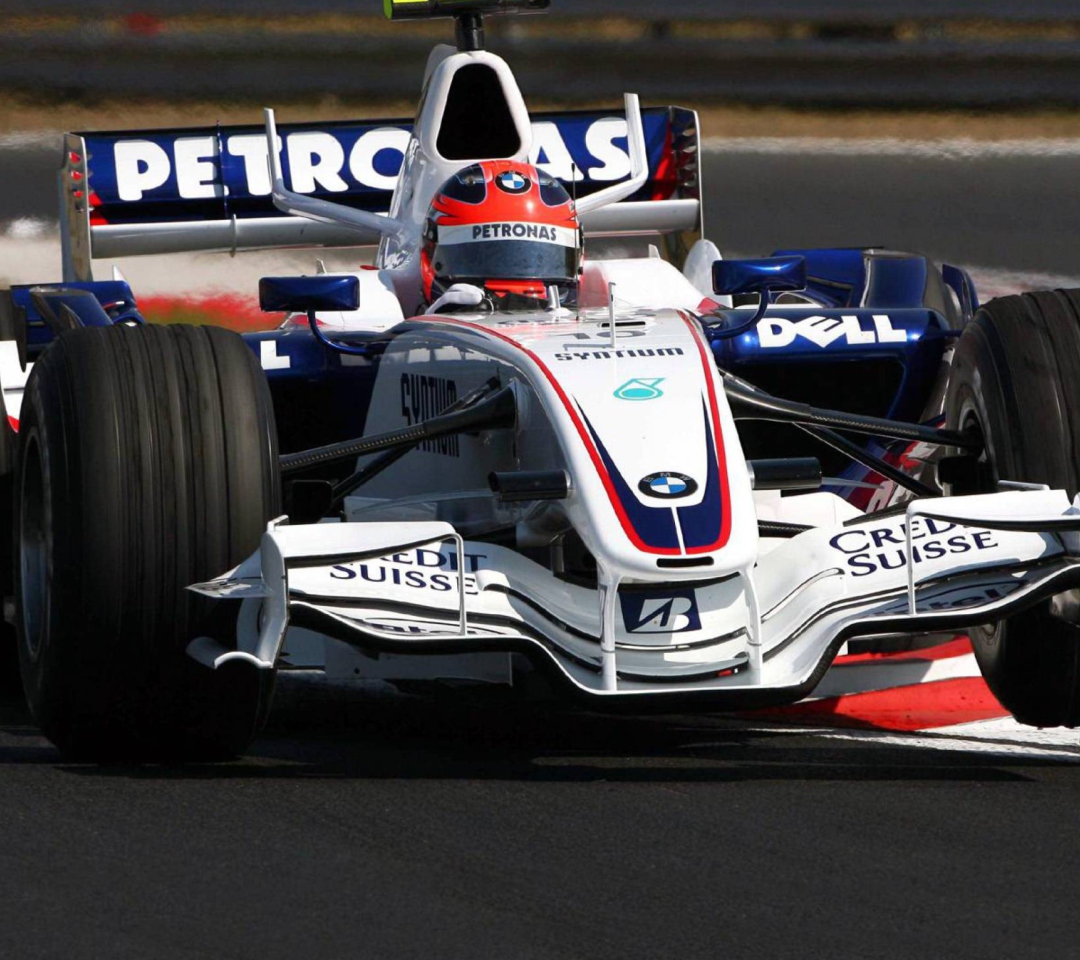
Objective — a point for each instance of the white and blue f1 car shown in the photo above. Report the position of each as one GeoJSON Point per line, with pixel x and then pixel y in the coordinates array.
{"type": "Point", "coordinates": [684, 488]}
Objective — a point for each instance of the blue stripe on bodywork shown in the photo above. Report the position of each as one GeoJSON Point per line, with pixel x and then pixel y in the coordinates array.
{"type": "Point", "coordinates": [654, 525]}
{"type": "Point", "coordinates": [700, 524]}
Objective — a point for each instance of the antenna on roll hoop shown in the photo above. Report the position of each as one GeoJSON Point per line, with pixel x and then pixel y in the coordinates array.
{"type": "Point", "coordinates": [469, 31]}
{"type": "Point", "coordinates": [469, 15]}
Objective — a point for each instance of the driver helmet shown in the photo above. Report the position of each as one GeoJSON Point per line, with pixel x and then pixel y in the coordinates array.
{"type": "Point", "coordinates": [505, 226]}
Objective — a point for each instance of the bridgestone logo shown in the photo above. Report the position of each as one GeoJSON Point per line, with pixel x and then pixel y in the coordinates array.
{"type": "Point", "coordinates": [481, 232]}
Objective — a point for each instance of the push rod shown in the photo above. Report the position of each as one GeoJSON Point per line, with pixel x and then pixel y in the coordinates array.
{"type": "Point", "coordinates": [842, 444]}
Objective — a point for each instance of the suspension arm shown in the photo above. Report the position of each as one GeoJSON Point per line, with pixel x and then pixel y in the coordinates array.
{"type": "Point", "coordinates": [748, 404]}
{"type": "Point", "coordinates": [497, 412]}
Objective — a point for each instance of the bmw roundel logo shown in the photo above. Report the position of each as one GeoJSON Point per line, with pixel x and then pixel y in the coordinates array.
{"type": "Point", "coordinates": [667, 486]}
{"type": "Point", "coordinates": [513, 182]}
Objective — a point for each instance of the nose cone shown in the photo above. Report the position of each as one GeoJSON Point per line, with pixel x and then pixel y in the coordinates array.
{"type": "Point", "coordinates": [661, 490]}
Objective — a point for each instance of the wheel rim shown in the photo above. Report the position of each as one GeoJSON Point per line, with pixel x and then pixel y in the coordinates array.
{"type": "Point", "coordinates": [969, 421]}
{"type": "Point", "coordinates": [33, 549]}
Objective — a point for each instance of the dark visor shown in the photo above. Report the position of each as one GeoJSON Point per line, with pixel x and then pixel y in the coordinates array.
{"type": "Point", "coordinates": [506, 260]}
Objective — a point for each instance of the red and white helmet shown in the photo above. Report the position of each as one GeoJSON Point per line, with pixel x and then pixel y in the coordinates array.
{"type": "Point", "coordinates": [504, 226]}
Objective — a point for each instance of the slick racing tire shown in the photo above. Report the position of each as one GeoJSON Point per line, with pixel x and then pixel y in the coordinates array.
{"type": "Point", "coordinates": [1015, 378]}
{"type": "Point", "coordinates": [147, 461]}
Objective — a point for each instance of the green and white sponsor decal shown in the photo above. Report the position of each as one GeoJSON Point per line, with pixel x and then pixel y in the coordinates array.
{"type": "Point", "coordinates": [641, 389]}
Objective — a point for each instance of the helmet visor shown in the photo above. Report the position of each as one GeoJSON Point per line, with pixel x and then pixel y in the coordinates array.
{"type": "Point", "coordinates": [507, 251]}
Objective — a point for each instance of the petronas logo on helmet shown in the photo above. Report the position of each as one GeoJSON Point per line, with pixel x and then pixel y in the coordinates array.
{"type": "Point", "coordinates": [515, 231]}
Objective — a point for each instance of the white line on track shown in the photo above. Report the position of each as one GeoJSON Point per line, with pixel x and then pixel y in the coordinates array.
{"type": "Point", "coordinates": [31, 228]}
{"type": "Point", "coordinates": [938, 740]}
{"type": "Point", "coordinates": [31, 140]}
{"type": "Point", "coordinates": [1007, 729]}
{"type": "Point", "coordinates": [991, 282]}
{"type": "Point", "coordinates": [1003, 737]}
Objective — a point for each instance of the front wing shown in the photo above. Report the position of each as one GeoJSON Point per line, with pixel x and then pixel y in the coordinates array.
{"type": "Point", "coordinates": [741, 639]}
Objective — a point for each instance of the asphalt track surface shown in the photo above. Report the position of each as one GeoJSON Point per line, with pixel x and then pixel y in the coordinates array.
{"type": "Point", "coordinates": [375, 826]}
{"type": "Point", "coordinates": [1005, 212]}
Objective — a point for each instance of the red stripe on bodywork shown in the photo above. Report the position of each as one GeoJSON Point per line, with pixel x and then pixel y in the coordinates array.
{"type": "Point", "coordinates": [707, 362]}
{"type": "Point", "coordinates": [666, 177]}
{"type": "Point", "coordinates": [620, 512]}
{"type": "Point", "coordinates": [598, 464]}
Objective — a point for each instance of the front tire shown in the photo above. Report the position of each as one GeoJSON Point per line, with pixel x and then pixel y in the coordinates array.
{"type": "Point", "coordinates": [147, 462]}
{"type": "Point", "coordinates": [1015, 378]}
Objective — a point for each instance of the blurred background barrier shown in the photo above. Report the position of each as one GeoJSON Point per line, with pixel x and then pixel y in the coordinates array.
{"type": "Point", "coordinates": [834, 53]}
{"type": "Point", "coordinates": [840, 11]}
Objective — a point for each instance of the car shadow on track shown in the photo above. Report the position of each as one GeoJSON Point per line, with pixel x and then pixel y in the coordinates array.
{"type": "Point", "coordinates": [372, 733]}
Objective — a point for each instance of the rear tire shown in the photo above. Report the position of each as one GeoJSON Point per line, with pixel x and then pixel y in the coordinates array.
{"type": "Point", "coordinates": [147, 462]}
{"type": "Point", "coordinates": [1015, 377]}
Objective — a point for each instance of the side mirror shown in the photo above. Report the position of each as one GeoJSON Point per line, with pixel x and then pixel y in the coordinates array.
{"type": "Point", "coordinates": [769, 274]}
{"type": "Point", "coordinates": [306, 294]}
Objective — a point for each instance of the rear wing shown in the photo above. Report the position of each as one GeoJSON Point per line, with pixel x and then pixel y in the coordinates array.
{"type": "Point", "coordinates": [208, 189]}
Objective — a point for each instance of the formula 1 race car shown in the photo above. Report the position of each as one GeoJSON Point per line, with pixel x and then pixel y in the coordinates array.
{"type": "Point", "coordinates": [643, 478]}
